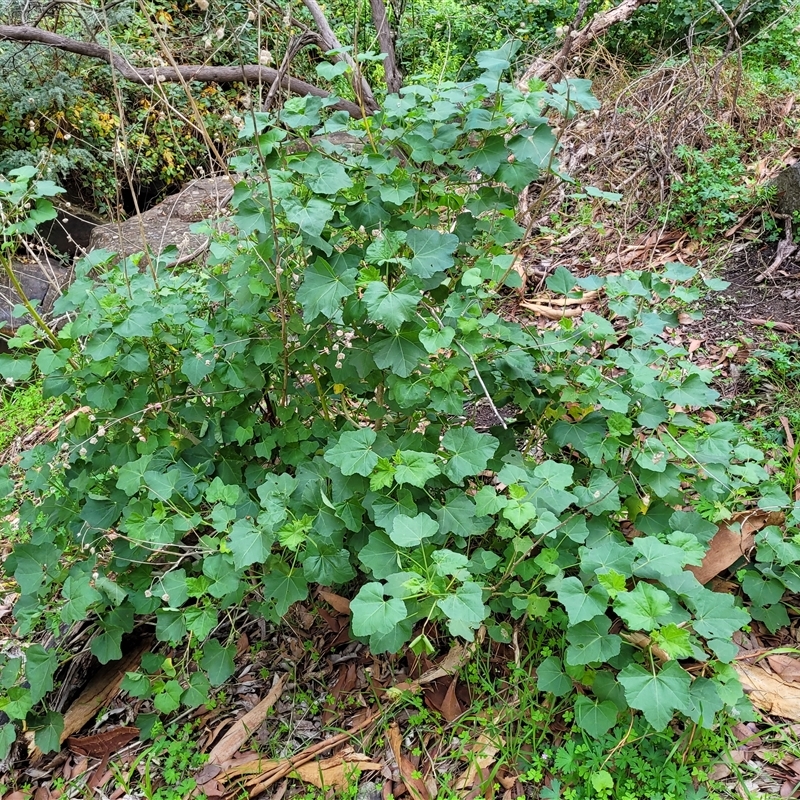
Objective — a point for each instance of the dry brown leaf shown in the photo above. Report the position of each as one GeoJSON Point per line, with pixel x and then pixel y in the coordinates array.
{"type": "Point", "coordinates": [728, 545]}
{"type": "Point", "coordinates": [451, 708]}
{"type": "Point", "coordinates": [337, 772]}
{"type": "Point", "coordinates": [484, 753]}
{"type": "Point", "coordinates": [335, 601]}
{"type": "Point", "coordinates": [242, 729]}
{"type": "Point", "coordinates": [416, 786]}
{"type": "Point", "coordinates": [787, 667]}
{"type": "Point", "coordinates": [768, 692]}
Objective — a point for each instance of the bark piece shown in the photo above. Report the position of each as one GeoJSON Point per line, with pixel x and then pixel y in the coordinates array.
{"type": "Point", "coordinates": [242, 729]}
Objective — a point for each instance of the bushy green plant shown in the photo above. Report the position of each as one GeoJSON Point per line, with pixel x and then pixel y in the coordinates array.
{"type": "Point", "coordinates": [713, 189]}
{"type": "Point", "coordinates": [299, 411]}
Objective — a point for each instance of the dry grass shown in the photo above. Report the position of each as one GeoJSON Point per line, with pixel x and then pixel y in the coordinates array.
{"type": "Point", "coordinates": [629, 146]}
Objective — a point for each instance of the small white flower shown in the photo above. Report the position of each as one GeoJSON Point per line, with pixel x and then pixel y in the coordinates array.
{"type": "Point", "coordinates": [82, 452]}
{"type": "Point", "coordinates": [148, 593]}
{"type": "Point", "coordinates": [92, 417]}
{"type": "Point", "coordinates": [208, 362]}
{"type": "Point", "coordinates": [9, 381]}
{"type": "Point", "coordinates": [165, 597]}
{"type": "Point", "coordinates": [142, 438]}
{"type": "Point", "coordinates": [137, 429]}
{"type": "Point", "coordinates": [67, 137]}
{"type": "Point", "coordinates": [93, 440]}
{"type": "Point", "coordinates": [95, 575]}
{"type": "Point", "coordinates": [101, 431]}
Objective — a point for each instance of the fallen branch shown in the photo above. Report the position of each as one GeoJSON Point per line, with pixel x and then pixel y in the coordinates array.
{"type": "Point", "coordinates": [549, 69]}
{"type": "Point", "coordinates": [147, 76]}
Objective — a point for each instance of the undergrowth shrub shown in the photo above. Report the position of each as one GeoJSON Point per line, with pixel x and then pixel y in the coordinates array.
{"type": "Point", "coordinates": [302, 410]}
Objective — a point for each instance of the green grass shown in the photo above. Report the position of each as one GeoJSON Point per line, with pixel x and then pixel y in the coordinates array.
{"type": "Point", "coordinates": [22, 409]}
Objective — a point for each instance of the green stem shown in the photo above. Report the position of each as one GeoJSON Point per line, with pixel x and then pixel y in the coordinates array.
{"type": "Point", "coordinates": [9, 270]}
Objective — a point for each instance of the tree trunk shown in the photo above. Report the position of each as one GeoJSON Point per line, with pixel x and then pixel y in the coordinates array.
{"type": "Point", "coordinates": [394, 78]}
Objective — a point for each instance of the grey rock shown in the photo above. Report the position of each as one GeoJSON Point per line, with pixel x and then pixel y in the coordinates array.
{"type": "Point", "coordinates": [787, 197]}
{"type": "Point", "coordinates": [70, 233]}
{"type": "Point", "coordinates": [42, 282]}
{"type": "Point", "coordinates": [369, 791]}
{"type": "Point", "coordinates": [168, 223]}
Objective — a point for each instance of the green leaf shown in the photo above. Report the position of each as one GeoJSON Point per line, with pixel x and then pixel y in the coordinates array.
{"type": "Point", "coordinates": [398, 352]}
{"type": "Point", "coordinates": [322, 175]}
{"type": "Point", "coordinates": [591, 642]}
{"type": "Point", "coordinates": [464, 610]}
{"type": "Point", "coordinates": [596, 717]}
{"type": "Point", "coordinates": [169, 698]}
{"type": "Point", "coordinates": [657, 559]}
{"type": "Point", "coordinates": [130, 477]}
{"type": "Point", "coordinates": [373, 614]}
{"type": "Point", "coordinates": [8, 735]}
{"type": "Point", "coordinates": [644, 607]}
{"type": "Point", "coordinates": [675, 271]}
{"type": "Point", "coordinates": [562, 281]}
{"type": "Point", "coordinates": [432, 251]}
{"type": "Point", "coordinates": [200, 621]}
{"type": "Point", "coordinates": [412, 531]}
{"type": "Point", "coordinates": [323, 289]}
{"type": "Point", "coordinates": [433, 338]}
{"type": "Point", "coordinates": [652, 456]}
{"type": "Point", "coordinates": [249, 544]}
{"type": "Point", "coordinates": [550, 677]}
{"type": "Point", "coordinates": [217, 661]}
{"type": "Point", "coordinates": [47, 731]}
{"type": "Point", "coordinates": [353, 453]}
{"type": "Point", "coordinates": [327, 564]}
{"type": "Point", "coordinates": [379, 556]}
{"type": "Point", "coordinates": [704, 702]}
{"type": "Point", "coordinates": [40, 666]}
{"type": "Point", "coordinates": [674, 641]}
{"type": "Point", "coordinates": [470, 450]}
{"type": "Point", "coordinates": [284, 589]}
{"type": "Point", "coordinates": [692, 392]}
{"type": "Point", "coordinates": [580, 605]}
{"type": "Point", "coordinates": [415, 468]}
{"type": "Point", "coordinates": [391, 307]}
{"type": "Point", "coordinates": [16, 369]}
{"type": "Point", "coordinates": [198, 692]}
{"type": "Point", "coordinates": [657, 695]}
{"type": "Point", "coordinates": [716, 616]}
{"type": "Point", "coordinates": [170, 626]}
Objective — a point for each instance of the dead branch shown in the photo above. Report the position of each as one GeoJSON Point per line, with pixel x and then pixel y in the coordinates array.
{"type": "Point", "coordinates": [394, 78]}
{"type": "Point", "coordinates": [148, 76]}
{"type": "Point", "coordinates": [359, 84]}
{"type": "Point", "coordinates": [549, 69]}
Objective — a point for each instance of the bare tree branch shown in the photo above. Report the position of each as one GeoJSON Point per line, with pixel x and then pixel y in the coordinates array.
{"type": "Point", "coordinates": [394, 78]}
{"type": "Point", "coordinates": [148, 76]}
{"type": "Point", "coordinates": [548, 69]}
{"type": "Point", "coordinates": [360, 85]}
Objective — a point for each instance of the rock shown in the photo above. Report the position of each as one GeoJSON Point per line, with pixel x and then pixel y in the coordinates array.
{"type": "Point", "coordinates": [168, 223]}
{"type": "Point", "coordinates": [787, 184]}
{"type": "Point", "coordinates": [71, 231]}
{"type": "Point", "coordinates": [42, 281]}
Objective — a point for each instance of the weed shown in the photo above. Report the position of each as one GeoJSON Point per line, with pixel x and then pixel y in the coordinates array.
{"type": "Point", "coordinates": [24, 408]}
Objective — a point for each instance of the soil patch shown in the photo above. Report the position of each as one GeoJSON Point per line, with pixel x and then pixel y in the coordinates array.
{"type": "Point", "coordinates": [730, 314]}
